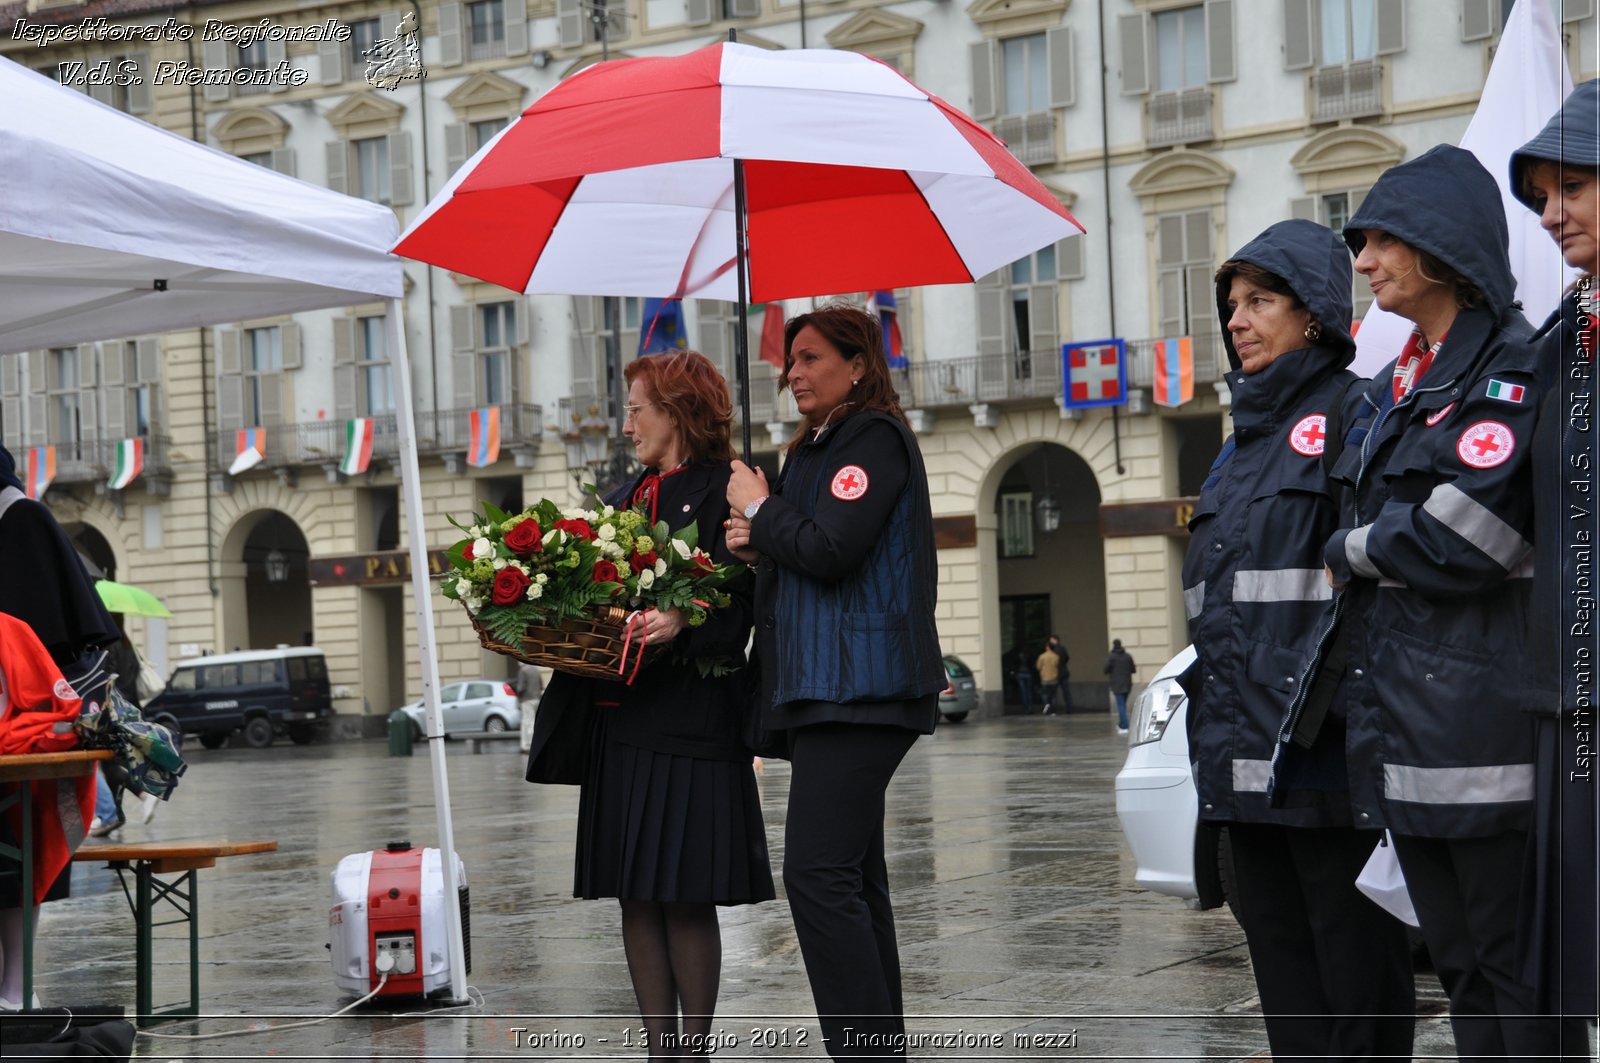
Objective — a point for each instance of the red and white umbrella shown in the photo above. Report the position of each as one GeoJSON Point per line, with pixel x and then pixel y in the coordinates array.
{"type": "Point", "coordinates": [620, 181]}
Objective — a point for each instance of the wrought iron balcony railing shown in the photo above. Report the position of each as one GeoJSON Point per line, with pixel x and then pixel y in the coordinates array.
{"type": "Point", "coordinates": [1030, 137]}
{"type": "Point", "coordinates": [1350, 90]}
{"type": "Point", "coordinates": [86, 460]}
{"type": "Point", "coordinates": [438, 432]}
{"type": "Point", "coordinates": [1181, 117]}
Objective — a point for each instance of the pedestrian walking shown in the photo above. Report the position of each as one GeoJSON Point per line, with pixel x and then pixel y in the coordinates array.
{"type": "Point", "coordinates": [1119, 669]}
{"type": "Point", "coordinates": [1051, 664]}
{"type": "Point", "coordinates": [529, 686]}
{"type": "Point", "coordinates": [669, 818]}
{"type": "Point", "coordinates": [1020, 669]}
{"type": "Point", "coordinates": [1433, 558]}
{"type": "Point", "coordinates": [1332, 968]}
{"type": "Point", "coordinates": [849, 657]}
{"type": "Point", "coordinates": [1557, 174]}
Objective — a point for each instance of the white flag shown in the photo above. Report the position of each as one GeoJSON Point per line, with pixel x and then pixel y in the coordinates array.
{"type": "Point", "coordinates": [1525, 88]}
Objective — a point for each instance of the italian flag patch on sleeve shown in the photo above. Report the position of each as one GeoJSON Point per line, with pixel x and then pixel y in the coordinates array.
{"type": "Point", "coordinates": [1499, 389]}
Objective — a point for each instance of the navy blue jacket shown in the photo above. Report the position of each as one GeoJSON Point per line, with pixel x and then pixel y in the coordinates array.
{"type": "Point", "coordinates": [846, 587]}
{"type": "Point", "coordinates": [1253, 584]}
{"type": "Point", "coordinates": [1436, 547]}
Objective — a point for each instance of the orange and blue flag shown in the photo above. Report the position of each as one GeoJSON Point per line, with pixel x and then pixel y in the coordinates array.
{"type": "Point", "coordinates": [484, 449]}
{"type": "Point", "coordinates": [1174, 370]}
{"type": "Point", "coordinates": [41, 470]}
{"type": "Point", "coordinates": [250, 450]}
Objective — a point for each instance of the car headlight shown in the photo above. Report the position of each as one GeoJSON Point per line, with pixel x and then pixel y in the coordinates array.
{"type": "Point", "coordinates": [1154, 710]}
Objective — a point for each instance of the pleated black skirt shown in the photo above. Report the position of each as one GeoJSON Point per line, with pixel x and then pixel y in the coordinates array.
{"type": "Point", "coordinates": [663, 827]}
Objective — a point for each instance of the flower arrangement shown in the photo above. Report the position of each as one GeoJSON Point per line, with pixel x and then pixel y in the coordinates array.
{"type": "Point", "coordinates": [548, 565]}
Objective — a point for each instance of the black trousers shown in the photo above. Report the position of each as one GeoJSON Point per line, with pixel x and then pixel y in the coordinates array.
{"type": "Point", "coordinates": [1333, 969]}
{"type": "Point", "coordinates": [838, 884]}
{"type": "Point", "coordinates": [1466, 892]}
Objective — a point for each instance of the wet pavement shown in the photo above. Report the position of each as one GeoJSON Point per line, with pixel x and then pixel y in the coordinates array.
{"type": "Point", "coordinates": [1021, 933]}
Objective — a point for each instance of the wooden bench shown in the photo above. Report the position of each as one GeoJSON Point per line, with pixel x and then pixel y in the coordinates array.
{"type": "Point", "coordinates": [147, 860]}
{"type": "Point", "coordinates": [476, 740]}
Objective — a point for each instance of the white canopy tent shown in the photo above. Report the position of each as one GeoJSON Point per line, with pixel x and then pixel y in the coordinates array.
{"type": "Point", "coordinates": [111, 227]}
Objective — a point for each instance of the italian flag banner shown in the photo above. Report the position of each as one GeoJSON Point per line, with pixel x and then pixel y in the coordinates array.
{"type": "Point", "coordinates": [127, 465]}
{"type": "Point", "coordinates": [357, 446]}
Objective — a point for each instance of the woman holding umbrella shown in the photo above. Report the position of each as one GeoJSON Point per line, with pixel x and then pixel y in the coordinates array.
{"type": "Point", "coordinates": [849, 656]}
{"type": "Point", "coordinates": [1557, 174]}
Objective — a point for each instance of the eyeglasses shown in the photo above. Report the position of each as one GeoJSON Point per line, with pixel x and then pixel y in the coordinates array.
{"type": "Point", "coordinates": [630, 412]}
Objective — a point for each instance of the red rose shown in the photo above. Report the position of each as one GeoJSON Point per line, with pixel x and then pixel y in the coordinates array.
{"type": "Point", "coordinates": [606, 572]}
{"type": "Point", "coordinates": [509, 585]}
{"type": "Point", "coordinates": [640, 562]}
{"type": "Point", "coordinates": [577, 527]}
{"type": "Point", "coordinates": [525, 539]}
{"type": "Point", "coordinates": [702, 561]}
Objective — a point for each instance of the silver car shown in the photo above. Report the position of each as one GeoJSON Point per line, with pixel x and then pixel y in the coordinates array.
{"type": "Point", "coordinates": [471, 705]}
{"type": "Point", "coordinates": [960, 695]}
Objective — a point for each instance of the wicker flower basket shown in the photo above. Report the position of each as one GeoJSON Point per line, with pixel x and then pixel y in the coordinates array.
{"type": "Point", "coordinates": [592, 646]}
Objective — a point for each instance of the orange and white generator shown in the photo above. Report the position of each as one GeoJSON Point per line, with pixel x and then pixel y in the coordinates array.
{"type": "Point", "coordinates": [388, 916]}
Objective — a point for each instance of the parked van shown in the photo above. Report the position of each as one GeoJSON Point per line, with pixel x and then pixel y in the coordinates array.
{"type": "Point", "coordinates": [263, 693]}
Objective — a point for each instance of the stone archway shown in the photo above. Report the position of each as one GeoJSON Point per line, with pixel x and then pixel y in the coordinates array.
{"type": "Point", "coordinates": [1049, 563]}
{"type": "Point", "coordinates": [266, 595]}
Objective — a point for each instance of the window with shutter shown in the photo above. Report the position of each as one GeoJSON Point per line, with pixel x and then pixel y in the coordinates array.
{"type": "Point", "coordinates": [451, 51]}
{"type": "Point", "coordinates": [572, 23]}
{"type": "Point", "coordinates": [1185, 299]}
{"type": "Point", "coordinates": [372, 362]}
{"type": "Point", "coordinates": [463, 357]}
{"type": "Point", "coordinates": [371, 175]}
{"type": "Point", "coordinates": [1063, 78]}
{"type": "Point", "coordinates": [741, 8]}
{"type": "Point", "coordinates": [117, 369]}
{"type": "Point", "coordinates": [1220, 62]}
{"type": "Point", "coordinates": [1135, 54]}
{"type": "Point", "coordinates": [985, 58]}
{"type": "Point", "coordinates": [496, 337]}
{"type": "Point", "coordinates": [261, 364]}
{"type": "Point", "coordinates": [486, 29]}
{"type": "Point", "coordinates": [63, 386]}
{"type": "Point", "coordinates": [1298, 37]}
{"type": "Point", "coordinates": [587, 353]}
{"type": "Point", "coordinates": [399, 150]}
{"type": "Point", "coordinates": [351, 60]}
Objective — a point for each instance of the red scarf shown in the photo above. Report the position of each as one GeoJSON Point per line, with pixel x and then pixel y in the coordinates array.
{"type": "Point", "coordinates": [1413, 362]}
{"type": "Point", "coordinates": [648, 493]}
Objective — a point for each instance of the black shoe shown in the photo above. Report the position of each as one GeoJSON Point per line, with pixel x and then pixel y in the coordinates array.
{"type": "Point", "coordinates": [106, 828]}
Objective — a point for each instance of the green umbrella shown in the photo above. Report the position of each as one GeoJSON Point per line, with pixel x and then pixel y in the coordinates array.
{"type": "Point", "coordinates": [133, 601]}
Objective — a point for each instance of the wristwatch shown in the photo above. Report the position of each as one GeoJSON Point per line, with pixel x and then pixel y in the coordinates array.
{"type": "Point", "coordinates": [750, 510]}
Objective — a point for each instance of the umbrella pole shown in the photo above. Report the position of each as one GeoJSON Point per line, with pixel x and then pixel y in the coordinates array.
{"type": "Point", "coordinates": [427, 652]}
{"type": "Point", "coordinates": [741, 340]}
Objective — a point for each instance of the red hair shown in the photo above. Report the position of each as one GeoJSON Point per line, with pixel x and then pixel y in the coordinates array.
{"type": "Point", "coordinates": [688, 387]}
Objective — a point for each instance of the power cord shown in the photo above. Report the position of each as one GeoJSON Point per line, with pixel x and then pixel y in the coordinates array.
{"type": "Point", "coordinates": [384, 977]}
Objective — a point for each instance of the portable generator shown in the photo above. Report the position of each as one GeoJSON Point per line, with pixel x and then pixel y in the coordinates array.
{"type": "Point", "coordinates": [388, 916]}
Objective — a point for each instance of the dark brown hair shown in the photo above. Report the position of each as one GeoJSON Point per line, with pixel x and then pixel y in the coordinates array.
{"type": "Point", "coordinates": [688, 387]}
{"type": "Point", "coordinates": [854, 332]}
{"type": "Point", "coordinates": [1238, 268]}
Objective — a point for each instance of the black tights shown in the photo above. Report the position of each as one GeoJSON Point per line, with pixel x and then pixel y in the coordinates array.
{"type": "Point", "coordinates": [675, 960]}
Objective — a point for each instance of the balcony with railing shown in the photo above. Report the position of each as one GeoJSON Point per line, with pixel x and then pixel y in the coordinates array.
{"type": "Point", "coordinates": [1180, 117]}
{"type": "Point", "coordinates": [1210, 360]}
{"type": "Point", "coordinates": [1348, 90]}
{"type": "Point", "coordinates": [439, 432]}
{"type": "Point", "coordinates": [91, 460]}
{"type": "Point", "coordinates": [1030, 137]}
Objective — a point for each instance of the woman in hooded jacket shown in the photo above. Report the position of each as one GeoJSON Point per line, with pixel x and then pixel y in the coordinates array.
{"type": "Point", "coordinates": [1434, 561]}
{"type": "Point", "coordinates": [1332, 968]}
{"type": "Point", "coordinates": [1557, 175]}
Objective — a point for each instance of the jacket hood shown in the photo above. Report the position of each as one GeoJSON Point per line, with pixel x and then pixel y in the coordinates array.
{"type": "Point", "coordinates": [1572, 137]}
{"type": "Point", "coordinates": [1315, 264]}
{"type": "Point", "coordinates": [1445, 203]}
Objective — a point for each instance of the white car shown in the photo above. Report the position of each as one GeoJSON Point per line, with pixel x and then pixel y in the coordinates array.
{"type": "Point", "coordinates": [1175, 854]}
{"type": "Point", "coordinates": [471, 705]}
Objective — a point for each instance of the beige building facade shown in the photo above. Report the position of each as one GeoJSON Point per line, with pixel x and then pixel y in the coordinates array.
{"type": "Point", "coordinates": [1213, 118]}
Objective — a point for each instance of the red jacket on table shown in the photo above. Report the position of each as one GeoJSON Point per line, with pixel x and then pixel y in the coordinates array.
{"type": "Point", "coordinates": [37, 711]}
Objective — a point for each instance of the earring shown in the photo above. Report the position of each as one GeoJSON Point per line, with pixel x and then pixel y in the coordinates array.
{"type": "Point", "coordinates": [853, 383]}
{"type": "Point", "coordinates": [1313, 331]}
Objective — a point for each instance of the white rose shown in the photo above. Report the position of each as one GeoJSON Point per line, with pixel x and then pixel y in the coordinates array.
{"type": "Point", "coordinates": [607, 532]}
{"type": "Point", "coordinates": [608, 511]}
{"type": "Point", "coordinates": [681, 547]}
{"type": "Point", "coordinates": [646, 578]}
{"type": "Point", "coordinates": [463, 587]}
{"type": "Point", "coordinates": [542, 578]}
{"type": "Point", "coordinates": [661, 567]}
{"type": "Point", "coordinates": [535, 591]}
{"type": "Point", "coordinates": [476, 531]}
{"type": "Point", "coordinates": [499, 563]}
{"type": "Point", "coordinates": [482, 548]}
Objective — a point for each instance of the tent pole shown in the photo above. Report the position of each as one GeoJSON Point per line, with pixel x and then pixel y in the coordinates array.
{"type": "Point", "coordinates": [741, 339]}
{"type": "Point", "coordinates": [427, 652]}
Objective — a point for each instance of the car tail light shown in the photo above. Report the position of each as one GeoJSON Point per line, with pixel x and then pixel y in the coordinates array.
{"type": "Point", "coordinates": [510, 690]}
{"type": "Point", "coordinates": [1154, 709]}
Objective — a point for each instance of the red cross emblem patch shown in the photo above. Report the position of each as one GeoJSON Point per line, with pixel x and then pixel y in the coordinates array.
{"type": "Point", "coordinates": [1486, 444]}
{"type": "Point", "coordinates": [849, 483]}
{"type": "Point", "coordinates": [1310, 435]}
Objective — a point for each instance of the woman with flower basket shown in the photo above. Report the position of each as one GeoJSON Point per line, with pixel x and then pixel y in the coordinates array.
{"type": "Point", "coordinates": [669, 819]}
{"type": "Point", "coordinates": [849, 656]}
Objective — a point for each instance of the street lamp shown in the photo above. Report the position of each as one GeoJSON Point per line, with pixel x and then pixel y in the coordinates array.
{"type": "Point", "coordinates": [277, 566]}
{"type": "Point", "coordinates": [595, 454]}
{"type": "Point", "coordinates": [1048, 515]}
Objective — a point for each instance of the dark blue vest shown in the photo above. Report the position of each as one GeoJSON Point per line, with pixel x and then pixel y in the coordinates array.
{"type": "Point", "coordinates": [870, 636]}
